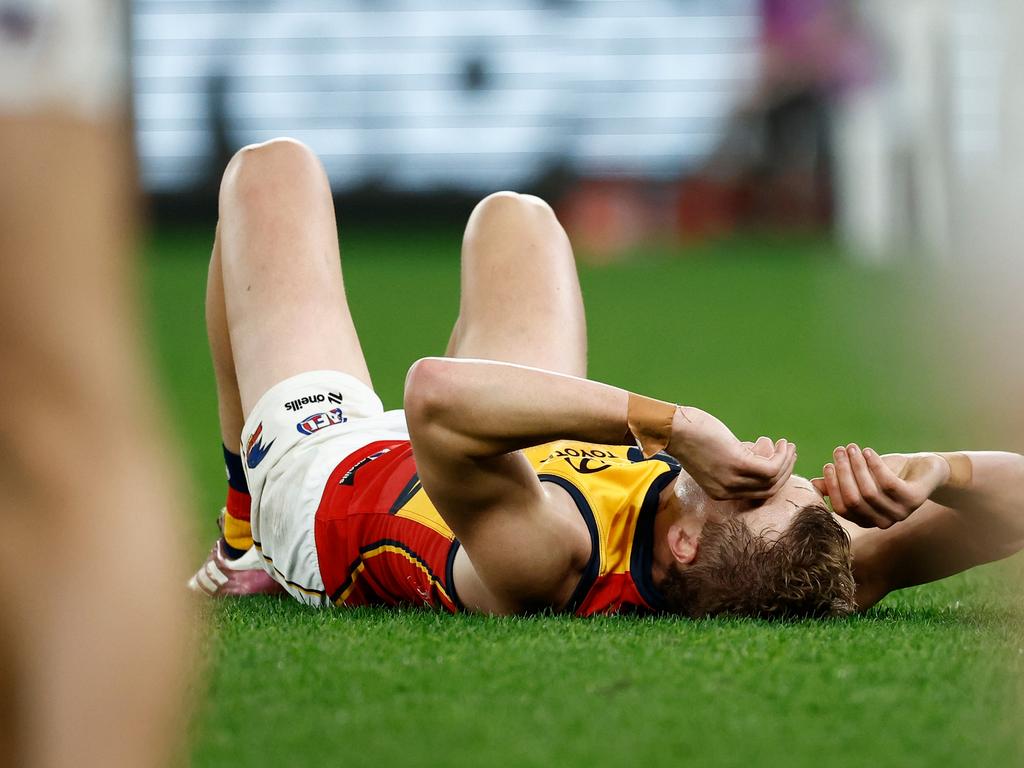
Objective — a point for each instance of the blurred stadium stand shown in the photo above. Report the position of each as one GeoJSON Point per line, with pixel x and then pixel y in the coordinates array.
{"type": "Point", "coordinates": [644, 119]}
{"type": "Point", "coordinates": [459, 95]}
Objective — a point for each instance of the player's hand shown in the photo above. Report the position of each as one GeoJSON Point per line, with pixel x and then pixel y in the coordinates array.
{"type": "Point", "coordinates": [878, 491]}
{"type": "Point", "coordinates": [722, 465]}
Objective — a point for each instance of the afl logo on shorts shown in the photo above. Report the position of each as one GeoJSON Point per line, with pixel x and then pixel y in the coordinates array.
{"type": "Point", "coordinates": [255, 450]}
{"type": "Point", "coordinates": [319, 421]}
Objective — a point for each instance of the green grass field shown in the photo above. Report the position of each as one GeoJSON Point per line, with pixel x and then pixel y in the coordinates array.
{"type": "Point", "coordinates": [779, 338]}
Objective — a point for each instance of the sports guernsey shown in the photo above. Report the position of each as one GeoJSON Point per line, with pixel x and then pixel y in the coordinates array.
{"type": "Point", "coordinates": [380, 541]}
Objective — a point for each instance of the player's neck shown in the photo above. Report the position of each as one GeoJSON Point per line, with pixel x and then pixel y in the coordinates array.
{"type": "Point", "coordinates": [661, 559]}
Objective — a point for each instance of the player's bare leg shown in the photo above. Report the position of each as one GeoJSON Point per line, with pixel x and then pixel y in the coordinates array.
{"type": "Point", "coordinates": [233, 567]}
{"type": "Point", "coordinates": [277, 249]}
{"type": "Point", "coordinates": [285, 299]}
{"type": "Point", "coordinates": [229, 401]}
{"type": "Point", "coordinates": [521, 300]}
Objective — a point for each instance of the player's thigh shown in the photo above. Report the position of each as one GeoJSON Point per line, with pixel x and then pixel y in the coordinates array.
{"type": "Point", "coordinates": [283, 288]}
{"type": "Point", "coordinates": [521, 300]}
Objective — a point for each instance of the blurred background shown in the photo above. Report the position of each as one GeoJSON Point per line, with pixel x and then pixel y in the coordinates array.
{"type": "Point", "coordinates": [668, 121]}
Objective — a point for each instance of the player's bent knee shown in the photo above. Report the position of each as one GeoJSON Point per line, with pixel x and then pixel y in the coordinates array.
{"type": "Point", "coordinates": [506, 206]}
{"type": "Point", "coordinates": [496, 204]}
{"type": "Point", "coordinates": [279, 164]}
{"type": "Point", "coordinates": [539, 204]}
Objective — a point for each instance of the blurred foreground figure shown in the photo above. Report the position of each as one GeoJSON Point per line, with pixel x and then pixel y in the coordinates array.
{"type": "Point", "coordinates": [93, 627]}
{"type": "Point", "coordinates": [511, 483]}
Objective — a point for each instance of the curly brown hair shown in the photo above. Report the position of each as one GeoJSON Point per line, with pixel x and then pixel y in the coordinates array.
{"type": "Point", "coordinates": [806, 572]}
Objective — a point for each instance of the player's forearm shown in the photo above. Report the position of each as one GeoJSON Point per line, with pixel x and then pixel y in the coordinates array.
{"type": "Point", "coordinates": [476, 410]}
{"type": "Point", "coordinates": [990, 500]}
{"type": "Point", "coordinates": [498, 407]}
{"type": "Point", "coordinates": [957, 529]}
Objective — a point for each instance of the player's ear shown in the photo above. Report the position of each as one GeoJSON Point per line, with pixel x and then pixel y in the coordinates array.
{"type": "Point", "coordinates": [683, 543]}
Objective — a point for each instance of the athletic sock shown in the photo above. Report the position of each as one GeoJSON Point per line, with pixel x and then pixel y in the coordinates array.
{"type": "Point", "coordinates": [237, 528]}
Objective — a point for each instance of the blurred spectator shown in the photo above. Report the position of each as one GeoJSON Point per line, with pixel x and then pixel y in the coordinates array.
{"type": "Point", "coordinates": [774, 166]}
{"type": "Point", "coordinates": [94, 624]}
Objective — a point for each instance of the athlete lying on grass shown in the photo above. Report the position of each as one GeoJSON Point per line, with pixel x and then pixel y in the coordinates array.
{"type": "Point", "coordinates": [517, 486]}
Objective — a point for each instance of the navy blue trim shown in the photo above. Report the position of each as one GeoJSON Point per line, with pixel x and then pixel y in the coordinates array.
{"type": "Point", "coordinates": [449, 576]}
{"type": "Point", "coordinates": [231, 553]}
{"type": "Point", "coordinates": [411, 489]}
{"type": "Point", "coordinates": [635, 455]}
{"type": "Point", "coordinates": [593, 568]}
{"type": "Point", "coordinates": [236, 475]}
{"type": "Point", "coordinates": [641, 559]}
{"type": "Point", "coordinates": [348, 580]}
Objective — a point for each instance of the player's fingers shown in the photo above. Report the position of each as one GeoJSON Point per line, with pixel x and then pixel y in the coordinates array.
{"type": "Point", "coordinates": [835, 498]}
{"type": "Point", "coordinates": [888, 481]}
{"type": "Point", "coordinates": [764, 488]}
{"type": "Point", "coordinates": [767, 491]}
{"type": "Point", "coordinates": [853, 500]}
{"type": "Point", "coordinates": [820, 486]}
{"type": "Point", "coordinates": [832, 490]}
{"type": "Point", "coordinates": [787, 469]}
{"type": "Point", "coordinates": [844, 478]}
{"type": "Point", "coordinates": [873, 496]}
{"type": "Point", "coordinates": [786, 473]}
{"type": "Point", "coordinates": [767, 468]}
{"type": "Point", "coordinates": [764, 447]}
{"type": "Point", "coordinates": [862, 477]}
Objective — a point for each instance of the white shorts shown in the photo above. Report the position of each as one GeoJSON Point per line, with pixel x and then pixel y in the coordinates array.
{"type": "Point", "coordinates": [299, 431]}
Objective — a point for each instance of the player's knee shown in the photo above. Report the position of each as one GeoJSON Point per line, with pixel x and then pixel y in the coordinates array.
{"type": "Point", "coordinates": [538, 205]}
{"type": "Point", "coordinates": [525, 209]}
{"type": "Point", "coordinates": [275, 165]}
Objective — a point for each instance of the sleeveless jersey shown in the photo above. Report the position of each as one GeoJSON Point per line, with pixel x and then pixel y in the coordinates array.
{"type": "Point", "coordinates": [380, 540]}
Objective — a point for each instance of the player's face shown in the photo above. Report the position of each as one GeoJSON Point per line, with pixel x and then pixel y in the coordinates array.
{"type": "Point", "coordinates": [773, 517]}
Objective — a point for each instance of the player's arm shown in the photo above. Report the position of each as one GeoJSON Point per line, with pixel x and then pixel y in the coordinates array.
{"type": "Point", "coordinates": [951, 516]}
{"type": "Point", "coordinates": [479, 410]}
{"type": "Point", "coordinates": [468, 419]}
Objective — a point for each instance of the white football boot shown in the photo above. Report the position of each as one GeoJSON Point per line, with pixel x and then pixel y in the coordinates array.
{"type": "Point", "coordinates": [220, 576]}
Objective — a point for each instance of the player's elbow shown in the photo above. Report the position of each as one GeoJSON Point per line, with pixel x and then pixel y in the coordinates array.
{"type": "Point", "coordinates": [438, 394]}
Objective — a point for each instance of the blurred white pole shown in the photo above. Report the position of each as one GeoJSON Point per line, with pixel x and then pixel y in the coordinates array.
{"type": "Point", "coordinates": [987, 241]}
{"type": "Point", "coordinates": [991, 194]}
{"type": "Point", "coordinates": [893, 152]}
{"type": "Point", "coordinates": [866, 206]}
